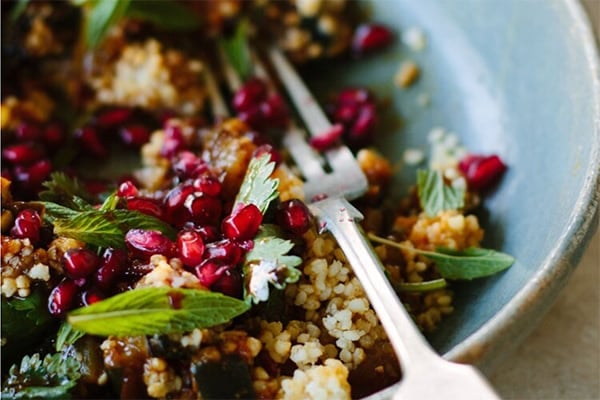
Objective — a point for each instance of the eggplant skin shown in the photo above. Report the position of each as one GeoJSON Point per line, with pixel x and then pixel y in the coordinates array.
{"type": "Point", "coordinates": [228, 378]}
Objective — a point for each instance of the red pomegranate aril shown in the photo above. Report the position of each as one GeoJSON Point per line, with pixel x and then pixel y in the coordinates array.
{"type": "Point", "coordinates": [294, 216]}
{"type": "Point", "coordinates": [207, 232]}
{"type": "Point", "coordinates": [32, 176]}
{"type": "Point", "coordinates": [252, 92]}
{"type": "Point", "coordinates": [275, 156]}
{"type": "Point", "coordinates": [480, 171]}
{"type": "Point", "coordinates": [174, 204]}
{"type": "Point", "coordinates": [257, 138]}
{"type": "Point", "coordinates": [187, 165]}
{"type": "Point", "coordinates": [22, 153]}
{"type": "Point", "coordinates": [80, 263]}
{"type": "Point", "coordinates": [362, 131]}
{"type": "Point", "coordinates": [135, 135]}
{"type": "Point", "coordinates": [253, 117]}
{"type": "Point", "coordinates": [90, 141]}
{"type": "Point", "coordinates": [243, 223]}
{"type": "Point", "coordinates": [96, 186]}
{"type": "Point", "coordinates": [173, 141]}
{"type": "Point", "coordinates": [370, 37]}
{"type": "Point", "coordinates": [62, 298]}
{"type": "Point", "coordinates": [112, 267]}
{"type": "Point", "coordinates": [207, 184]}
{"type": "Point", "coordinates": [190, 247]}
{"type": "Point", "coordinates": [224, 250]}
{"type": "Point", "coordinates": [229, 283]}
{"type": "Point", "coordinates": [90, 297]}
{"type": "Point", "coordinates": [346, 113]}
{"type": "Point", "coordinates": [274, 112]}
{"type": "Point", "coordinates": [27, 225]}
{"type": "Point", "coordinates": [127, 189]}
{"type": "Point", "coordinates": [26, 132]}
{"type": "Point", "coordinates": [53, 135]}
{"type": "Point", "coordinates": [353, 96]}
{"type": "Point", "coordinates": [209, 271]}
{"type": "Point", "coordinates": [146, 206]}
{"type": "Point", "coordinates": [113, 117]}
{"type": "Point", "coordinates": [203, 209]}
{"type": "Point", "coordinates": [327, 139]}
{"type": "Point", "coordinates": [144, 243]}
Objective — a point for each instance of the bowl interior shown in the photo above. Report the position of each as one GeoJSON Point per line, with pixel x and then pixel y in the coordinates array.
{"type": "Point", "coordinates": [512, 78]}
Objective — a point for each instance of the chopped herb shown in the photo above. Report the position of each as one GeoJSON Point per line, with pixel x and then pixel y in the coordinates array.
{"type": "Point", "coordinates": [258, 187]}
{"type": "Point", "coordinates": [150, 311]}
{"type": "Point", "coordinates": [67, 336]}
{"type": "Point", "coordinates": [268, 263]}
{"type": "Point", "coordinates": [435, 196]}
{"type": "Point", "coordinates": [50, 377]}
{"type": "Point", "coordinates": [236, 50]}
{"type": "Point", "coordinates": [467, 264]}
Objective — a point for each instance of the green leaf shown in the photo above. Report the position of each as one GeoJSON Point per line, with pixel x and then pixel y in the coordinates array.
{"type": "Point", "coordinates": [53, 211]}
{"type": "Point", "coordinates": [67, 191]}
{"type": "Point", "coordinates": [18, 9]}
{"type": "Point", "coordinates": [435, 196]}
{"type": "Point", "coordinates": [169, 15]}
{"type": "Point", "coordinates": [156, 310]}
{"type": "Point", "coordinates": [268, 263]}
{"type": "Point", "coordinates": [100, 16]}
{"type": "Point", "coordinates": [67, 336]}
{"type": "Point", "coordinates": [110, 203]}
{"type": "Point", "coordinates": [467, 264]}
{"type": "Point", "coordinates": [136, 220]}
{"type": "Point", "coordinates": [258, 187]}
{"type": "Point", "coordinates": [236, 50]}
{"type": "Point", "coordinates": [417, 287]}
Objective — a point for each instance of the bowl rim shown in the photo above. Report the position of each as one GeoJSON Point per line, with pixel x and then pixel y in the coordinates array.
{"type": "Point", "coordinates": [517, 318]}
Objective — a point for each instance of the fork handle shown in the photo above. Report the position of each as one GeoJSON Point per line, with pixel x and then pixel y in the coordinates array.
{"type": "Point", "coordinates": [339, 217]}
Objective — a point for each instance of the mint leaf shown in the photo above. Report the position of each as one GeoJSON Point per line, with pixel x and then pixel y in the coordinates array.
{"type": "Point", "coordinates": [435, 196]}
{"type": "Point", "coordinates": [169, 15]}
{"type": "Point", "coordinates": [258, 187]}
{"type": "Point", "coordinates": [67, 336]}
{"type": "Point", "coordinates": [150, 311]}
{"type": "Point", "coordinates": [100, 16]}
{"type": "Point", "coordinates": [110, 203]}
{"type": "Point", "coordinates": [236, 50]}
{"type": "Point", "coordinates": [268, 263]}
{"type": "Point", "coordinates": [67, 191]}
{"type": "Point", "coordinates": [467, 264]}
{"type": "Point", "coordinates": [127, 220]}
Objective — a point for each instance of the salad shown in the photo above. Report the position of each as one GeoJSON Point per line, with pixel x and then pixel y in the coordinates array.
{"type": "Point", "coordinates": [150, 250]}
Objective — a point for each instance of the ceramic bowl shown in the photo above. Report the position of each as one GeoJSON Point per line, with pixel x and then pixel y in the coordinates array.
{"type": "Point", "coordinates": [519, 79]}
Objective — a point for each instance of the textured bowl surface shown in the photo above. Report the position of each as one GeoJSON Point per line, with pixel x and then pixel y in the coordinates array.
{"type": "Point", "coordinates": [520, 79]}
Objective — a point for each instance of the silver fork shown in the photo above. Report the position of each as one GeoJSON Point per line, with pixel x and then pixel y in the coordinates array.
{"type": "Point", "coordinates": [426, 375]}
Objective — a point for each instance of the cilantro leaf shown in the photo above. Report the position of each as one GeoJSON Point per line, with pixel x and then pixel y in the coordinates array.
{"type": "Point", "coordinates": [236, 50]}
{"type": "Point", "coordinates": [435, 196]}
{"type": "Point", "coordinates": [67, 335]}
{"type": "Point", "coordinates": [268, 263]}
{"type": "Point", "coordinates": [156, 310]}
{"type": "Point", "coordinates": [258, 187]}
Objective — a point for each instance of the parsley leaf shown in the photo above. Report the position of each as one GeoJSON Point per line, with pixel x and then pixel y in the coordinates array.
{"type": "Point", "coordinates": [467, 264]}
{"type": "Point", "coordinates": [236, 50]}
{"type": "Point", "coordinates": [268, 263]}
{"type": "Point", "coordinates": [156, 310]}
{"type": "Point", "coordinates": [258, 187]}
{"type": "Point", "coordinates": [435, 196]}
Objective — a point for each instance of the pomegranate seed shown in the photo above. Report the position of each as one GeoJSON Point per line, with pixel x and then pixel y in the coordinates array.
{"type": "Point", "coordinates": [275, 156]}
{"type": "Point", "coordinates": [370, 37]}
{"type": "Point", "coordinates": [54, 135]}
{"type": "Point", "coordinates": [354, 95]}
{"type": "Point", "coordinates": [62, 297]}
{"type": "Point", "coordinates": [113, 117]}
{"type": "Point", "coordinates": [253, 117]}
{"type": "Point", "coordinates": [90, 297]}
{"type": "Point", "coordinates": [327, 139]}
{"type": "Point", "coordinates": [207, 232]}
{"type": "Point", "coordinates": [362, 131]}
{"type": "Point", "coordinates": [146, 206]}
{"type": "Point", "coordinates": [209, 185]}
{"type": "Point", "coordinates": [96, 186]}
{"type": "Point", "coordinates": [80, 263]}
{"type": "Point", "coordinates": [224, 250]}
{"type": "Point", "coordinates": [346, 113]}
{"type": "Point", "coordinates": [188, 166]}
{"type": "Point", "coordinates": [127, 189]}
{"type": "Point", "coordinates": [190, 247]}
{"type": "Point", "coordinates": [275, 112]}
{"type": "Point", "coordinates": [173, 141]}
{"type": "Point", "coordinates": [113, 266]}
{"type": "Point", "coordinates": [243, 223]}
{"type": "Point", "coordinates": [252, 92]}
{"type": "Point", "coordinates": [90, 141]}
{"type": "Point", "coordinates": [204, 210]}
{"type": "Point", "coordinates": [135, 135]}
{"type": "Point", "coordinates": [294, 216]}
{"type": "Point", "coordinates": [22, 153]}
{"type": "Point", "coordinates": [481, 172]}
{"type": "Point", "coordinates": [229, 283]}
{"type": "Point", "coordinates": [144, 243]}
{"type": "Point", "coordinates": [257, 138]}
{"type": "Point", "coordinates": [27, 132]}
{"type": "Point", "coordinates": [209, 271]}
{"type": "Point", "coordinates": [27, 225]}
{"type": "Point", "coordinates": [174, 204]}
{"type": "Point", "coordinates": [32, 176]}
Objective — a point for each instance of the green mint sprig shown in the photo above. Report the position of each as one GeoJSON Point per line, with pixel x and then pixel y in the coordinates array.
{"type": "Point", "coordinates": [258, 187]}
{"type": "Point", "coordinates": [435, 196]}
{"type": "Point", "coordinates": [467, 264]}
{"type": "Point", "coordinates": [156, 310]}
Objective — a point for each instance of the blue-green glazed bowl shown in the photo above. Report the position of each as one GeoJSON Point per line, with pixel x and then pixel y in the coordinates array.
{"type": "Point", "coordinates": [520, 79]}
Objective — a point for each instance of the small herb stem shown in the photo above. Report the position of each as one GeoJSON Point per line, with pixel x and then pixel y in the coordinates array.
{"type": "Point", "coordinates": [378, 239]}
{"type": "Point", "coordinates": [421, 286]}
